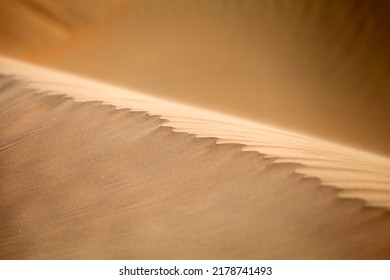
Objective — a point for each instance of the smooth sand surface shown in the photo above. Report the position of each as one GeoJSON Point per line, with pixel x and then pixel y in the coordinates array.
{"type": "Point", "coordinates": [281, 150]}
{"type": "Point", "coordinates": [318, 67]}
{"type": "Point", "coordinates": [81, 179]}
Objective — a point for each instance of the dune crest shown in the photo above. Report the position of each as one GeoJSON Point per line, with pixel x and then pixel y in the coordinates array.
{"type": "Point", "coordinates": [318, 67]}
{"type": "Point", "coordinates": [85, 180]}
{"type": "Point", "coordinates": [356, 174]}
{"type": "Point", "coordinates": [90, 170]}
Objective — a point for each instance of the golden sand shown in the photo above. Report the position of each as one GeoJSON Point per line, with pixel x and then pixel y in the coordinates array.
{"type": "Point", "coordinates": [93, 170]}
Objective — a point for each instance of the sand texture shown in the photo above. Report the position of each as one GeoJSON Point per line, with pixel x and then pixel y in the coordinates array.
{"type": "Point", "coordinates": [194, 129]}
{"type": "Point", "coordinates": [82, 179]}
{"type": "Point", "coordinates": [313, 66]}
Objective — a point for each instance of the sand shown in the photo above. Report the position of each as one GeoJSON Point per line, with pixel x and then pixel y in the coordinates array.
{"type": "Point", "coordinates": [81, 179]}
{"type": "Point", "coordinates": [92, 170]}
{"type": "Point", "coordinates": [316, 67]}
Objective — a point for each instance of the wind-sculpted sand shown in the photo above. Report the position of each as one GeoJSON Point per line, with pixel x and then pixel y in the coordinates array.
{"type": "Point", "coordinates": [281, 150]}
{"type": "Point", "coordinates": [318, 67]}
{"type": "Point", "coordinates": [90, 170]}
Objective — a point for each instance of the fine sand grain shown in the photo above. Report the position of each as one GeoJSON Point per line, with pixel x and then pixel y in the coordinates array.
{"type": "Point", "coordinates": [152, 179]}
{"type": "Point", "coordinates": [318, 67]}
{"type": "Point", "coordinates": [217, 129]}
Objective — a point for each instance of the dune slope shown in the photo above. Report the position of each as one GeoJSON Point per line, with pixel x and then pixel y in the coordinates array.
{"type": "Point", "coordinates": [319, 67]}
{"type": "Point", "coordinates": [94, 171]}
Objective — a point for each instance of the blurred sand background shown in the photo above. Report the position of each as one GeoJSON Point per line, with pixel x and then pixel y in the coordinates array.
{"type": "Point", "coordinates": [95, 171]}
{"type": "Point", "coordinates": [318, 67]}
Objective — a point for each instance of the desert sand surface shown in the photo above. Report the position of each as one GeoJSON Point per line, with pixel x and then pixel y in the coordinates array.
{"type": "Point", "coordinates": [313, 66]}
{"type": "Point", "coordinates": [194, 131]}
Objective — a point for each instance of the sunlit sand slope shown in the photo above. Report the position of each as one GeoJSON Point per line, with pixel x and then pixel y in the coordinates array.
{"type": "Point", "coordinates": [315, 66]}
{"type": "Point", "coordinates": [90, 170]}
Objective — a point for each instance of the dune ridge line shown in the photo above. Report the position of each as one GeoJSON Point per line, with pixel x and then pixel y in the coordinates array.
{"type": "Point", "coordinates": [355, 173]}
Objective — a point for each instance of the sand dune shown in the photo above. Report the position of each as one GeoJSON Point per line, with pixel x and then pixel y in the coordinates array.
{"type": "Point", "coordinates": [146, 178]}
{"type": "Point", "coordinates": [317, 67]}
{"type": "Point", "coordinates": [235, 130]}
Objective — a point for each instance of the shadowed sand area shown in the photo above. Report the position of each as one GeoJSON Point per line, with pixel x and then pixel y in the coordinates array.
{"type": "Point", "coordinates": [115, 167]}
{"type": "Point", "coordinates": [120, 185]}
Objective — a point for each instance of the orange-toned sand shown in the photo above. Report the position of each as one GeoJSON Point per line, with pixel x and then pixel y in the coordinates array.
{"type": "Point", "coordinates": [318, 67]}
{"type": "Point", "coordinates": [88, 180]}
{"type": "Point", "coordinates": [93, 170]}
